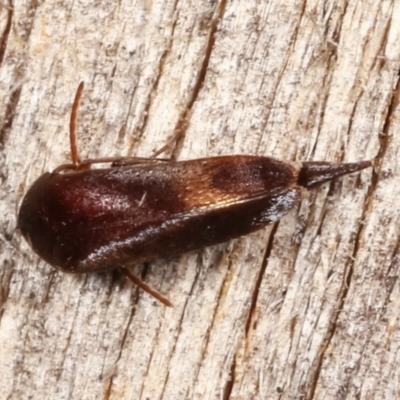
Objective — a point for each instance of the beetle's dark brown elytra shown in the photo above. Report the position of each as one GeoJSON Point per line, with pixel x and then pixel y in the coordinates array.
{"type": "Point", "coordinates": [82, 220]}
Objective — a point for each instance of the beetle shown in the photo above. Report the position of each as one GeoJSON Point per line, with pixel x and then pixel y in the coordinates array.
{"type": "Point", "coordinates": [82, 219]}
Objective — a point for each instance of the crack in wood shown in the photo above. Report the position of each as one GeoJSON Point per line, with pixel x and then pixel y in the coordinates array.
{"type": "Point", "coordinates": [6, 32]}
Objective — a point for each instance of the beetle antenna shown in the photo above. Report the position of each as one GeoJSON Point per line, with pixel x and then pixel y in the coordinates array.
{"type": "Point", "coordinates": [72, 126]}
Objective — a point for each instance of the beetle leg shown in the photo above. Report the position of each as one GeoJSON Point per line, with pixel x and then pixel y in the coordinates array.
{"type": "Point", "coordinates": [145, 287]}
{"type": "Point", "coordinates": [179, 131]}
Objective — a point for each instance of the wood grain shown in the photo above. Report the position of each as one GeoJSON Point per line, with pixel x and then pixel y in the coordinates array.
{"type": "Point", "coordinates": [305, 309]}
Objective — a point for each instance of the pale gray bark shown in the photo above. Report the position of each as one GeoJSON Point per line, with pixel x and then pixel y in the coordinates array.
{"type": "Point", "coordinates": [307, 309]}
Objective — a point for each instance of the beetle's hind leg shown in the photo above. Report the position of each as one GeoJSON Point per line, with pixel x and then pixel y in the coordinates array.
{"type": "Point", "coordinates": [145, 287]}
{"type": "Point", "coordinates": [176, 138]}
{"type": "Point", "coordinates": [126, 161]}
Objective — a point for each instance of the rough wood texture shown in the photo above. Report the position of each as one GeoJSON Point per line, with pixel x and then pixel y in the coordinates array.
{"type": "Point", "coordinates": [306, 309]}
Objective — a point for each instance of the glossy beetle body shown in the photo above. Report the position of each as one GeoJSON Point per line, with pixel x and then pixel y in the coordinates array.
{"type": "Point", "coordinates": [99, 219]}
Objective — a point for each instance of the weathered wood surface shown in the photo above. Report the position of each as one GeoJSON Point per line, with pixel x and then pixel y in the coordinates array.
{"type": "Point", "coordinates": [306, 309]}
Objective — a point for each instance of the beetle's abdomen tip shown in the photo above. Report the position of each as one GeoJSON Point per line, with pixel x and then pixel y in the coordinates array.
{"type": "Point", "coordinates": [315, 173]}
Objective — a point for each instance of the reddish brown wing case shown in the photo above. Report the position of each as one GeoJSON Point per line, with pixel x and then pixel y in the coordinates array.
{"type": "Point", "coordinates": [102, 219]}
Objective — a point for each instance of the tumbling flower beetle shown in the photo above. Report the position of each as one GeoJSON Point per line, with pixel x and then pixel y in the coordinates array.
{"type": "Point", "coordinates": [80, 219]}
